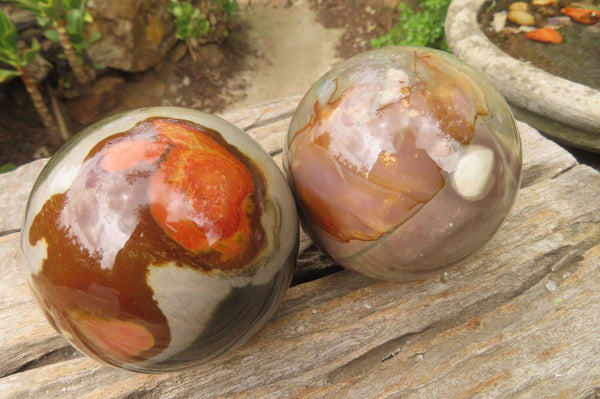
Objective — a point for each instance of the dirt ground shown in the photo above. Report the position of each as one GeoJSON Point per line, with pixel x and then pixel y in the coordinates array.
{"type": "Point", "coordinates": [276, 48]}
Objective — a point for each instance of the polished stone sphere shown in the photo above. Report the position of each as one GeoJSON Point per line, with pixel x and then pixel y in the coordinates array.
{"type": "Point", "coordinates": [403, 161]}
{"type": "Point", "coordinates": [159, 239]}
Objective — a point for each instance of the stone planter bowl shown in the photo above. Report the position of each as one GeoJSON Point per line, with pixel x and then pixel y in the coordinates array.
{"type": "Point", "coordinates": [561, 109]}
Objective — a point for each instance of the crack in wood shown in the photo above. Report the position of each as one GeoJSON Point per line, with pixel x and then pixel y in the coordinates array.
{"type": "Point", "coordinates": [563, 171]}
{"type": "Point", "coordinates": [62, 354]}
{"type": "Point", "coordinates": [276, 152]}
{"type": "Point", "coordinates": [142, 393]}
{"type": "Point", "coordinates": [379, 354]}
{"type": "Point", "coordinates": [9, 232]}
{"type": "Point", "coordinates": [267, 121]}
{"type": "Point", "coordinates": [313, 264]}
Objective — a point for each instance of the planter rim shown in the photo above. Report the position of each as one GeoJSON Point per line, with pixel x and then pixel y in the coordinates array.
{"type": "Point", "coordinates": [523, 84]}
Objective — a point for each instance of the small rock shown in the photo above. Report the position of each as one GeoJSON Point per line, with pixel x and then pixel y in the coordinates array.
{"type": "Point", "coordinates": [178, 52]}
{"type": "Point", "coordinates": [551, 286]}
{"type": "Point", "coordinates": [103, 96]}
{"type": "Point", "coordinates": [474, 175]}
{"type": "Point", "coordinates": [540, 3]}
{"type": "Point", "coordinates": [525, 28]}
{"type": "Point", "coordinates": [210, 55]}
{"type": "Point", "coordinates": [518, 6]}
{"type": "Point", "coordinates": [521, 18]}
{"type": "Point", "coordinates": [42, 152]}
{"type": "Point", "coordinates": [582, 15]}
{"type": "Point", "coordinates": [546, 35]}
{"type": "Point", "coordinates": [135, 34]}
{"type": "Point", "coordinates": [558, 22]}
{"type": "Point", "coordinates": [499, 21]}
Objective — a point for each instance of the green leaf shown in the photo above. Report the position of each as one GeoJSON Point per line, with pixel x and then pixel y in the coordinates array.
{"type": "Point", "coordinates": [229, 7]}
{"type": "Point", "coordinates": [9, 55]}
{"type": "Point", "coordinates": [53, 9]}
{"type": "Point", "coordinates": [76, 39]}
{"type": "Point", "coordinates": [5, 24]}
{"type": "Point", "coordinates": [8, 167]}
{"type": "Point", "coordinates": [87, 18]}
{"type": "Point", "coordinates": [175, 9]}
{"type": "Point", "coordinates": [7, 74]}
{"type": "Point", "coordinates": [186, 8]}
{"type": "Point", "coordinates": [75, 22]}
{"type": "Point", "coordinates": [30, 53]}
{"type": "Point", "coordinates": [8, 32]}
{"type": "Point", "coordinates": [52, 35]}
{"type": "Point", "coordinates": [203, 27]}
{"type": "Point", "coordinates": [43, 22]}
{"type": "Point", "coordinates": [77, 5]}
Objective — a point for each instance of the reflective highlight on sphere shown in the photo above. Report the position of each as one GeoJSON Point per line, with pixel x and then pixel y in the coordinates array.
{"type": "Point", "coordinates": [403, 161]}
{"type": "Point", "coordinates": [160, 239]}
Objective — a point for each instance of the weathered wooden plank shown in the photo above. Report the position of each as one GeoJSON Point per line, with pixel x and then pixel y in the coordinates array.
{"type": "Point", "coordinates": [501, 324]}
{"type": "Point", "coordinates": [25, 335]}
{"type": "Point", "coordinates": [14, 191]}
{"type": "Point", "coordinates": [542, 158]}
{"type": "Point", "coordinates": [519, 317]}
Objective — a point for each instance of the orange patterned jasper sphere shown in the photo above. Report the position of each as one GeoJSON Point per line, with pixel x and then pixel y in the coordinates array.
{"type": "Point", "coordinates": [403, 161]}
{"type": "Point", "coordinates": [159, 239]}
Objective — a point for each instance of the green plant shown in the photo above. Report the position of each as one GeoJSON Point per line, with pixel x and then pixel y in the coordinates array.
{"type": "Point", "coordinates": [10, 56]}
{"type": "Point", "coordinates": [64, 21]}
{"type": "Point", "coordinates": [228, 7]}
{"type": "Point", "coordinates": [191, 21]}
{"type": "Point", "coordinates": [422, 27]}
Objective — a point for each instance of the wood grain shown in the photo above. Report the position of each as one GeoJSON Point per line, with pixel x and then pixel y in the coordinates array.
{"type": "Point", "coordinates": [519, 318]}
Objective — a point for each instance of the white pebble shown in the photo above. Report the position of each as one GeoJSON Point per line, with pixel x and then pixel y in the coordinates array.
{"type": "Point", "coordinates": [499, 21]}
{"type": "Point", "coordinates": [551, 286]}
{"type": "Point", "coordinates": [473, 177]}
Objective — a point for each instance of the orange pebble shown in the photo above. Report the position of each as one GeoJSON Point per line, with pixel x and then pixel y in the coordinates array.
{"type": "Point", "coordinates": [582, 15]}
{"type": "Point", "coordinates": [546, 35]}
